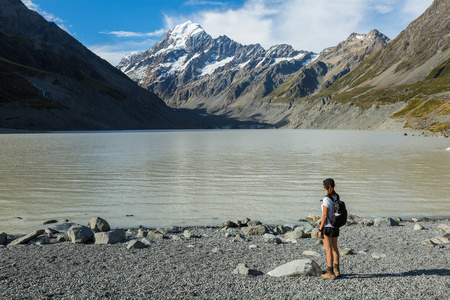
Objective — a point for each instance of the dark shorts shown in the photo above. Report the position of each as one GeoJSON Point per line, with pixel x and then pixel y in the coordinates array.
{"type": "Point", "coordinates": [331, 232]}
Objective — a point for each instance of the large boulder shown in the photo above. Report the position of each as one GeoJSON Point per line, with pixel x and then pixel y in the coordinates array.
{"type": "Point", "coordinates": [79, 234]}
{"type": "Point", "coordinates": [25, 239]}
{"type": "Point", "coordinates": [62, 227]}
{"type": "Point", "coordinates": [135, 244]}
{"type": "Point", "coordinates": [100, 224]}
{"type": "Point", "coordinates": [298, 233]}
{"type": "Point", "coordinates": [299, 267]}
{"type": "Point", "coordinates": [255, 230]}
{"type": "Point", "coordinates": [110, 237]}
{"type": "Point", "coordinates": [385, 222]}
{"type": "Point", "coordinates": [355, 220]}
{"type": "Point", "coordinates": [305, 226]}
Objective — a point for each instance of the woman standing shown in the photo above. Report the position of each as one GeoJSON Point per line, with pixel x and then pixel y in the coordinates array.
{"type": "Point", "coordinates": [328, 232]}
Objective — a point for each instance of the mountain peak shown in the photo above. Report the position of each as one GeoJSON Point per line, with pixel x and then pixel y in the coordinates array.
{"type": "Point", "coordinates": [187, 29]}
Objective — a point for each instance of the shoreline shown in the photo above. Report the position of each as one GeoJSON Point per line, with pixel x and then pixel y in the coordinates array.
{"type": "Point", "coordinates": [201, 263]}
{"type": "Point", "coordinates": [216, 225]}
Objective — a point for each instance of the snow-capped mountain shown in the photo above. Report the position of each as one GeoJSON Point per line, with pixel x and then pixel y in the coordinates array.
{"type": "Point", "coordinates": [190, 69]}
{"type": "Point", "coordinates": [189, 64]}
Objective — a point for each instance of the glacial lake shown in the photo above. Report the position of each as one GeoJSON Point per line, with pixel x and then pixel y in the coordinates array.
{"type": "Point", "coordinates": [204, 177]}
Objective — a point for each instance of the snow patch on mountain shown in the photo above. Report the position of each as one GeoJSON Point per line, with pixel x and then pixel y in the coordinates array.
{"type": "Point", "coordinates": [210, 67]}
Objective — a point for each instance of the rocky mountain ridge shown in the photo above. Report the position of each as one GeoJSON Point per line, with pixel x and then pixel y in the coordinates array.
{"type": "Point", "coordinates": [372, 82]}
{"type": "Point", "coordinates": [189, 64]}
{"type": "Point", "coordinates": [189, 69]}
{"type": "Point", "coordinates": [50, 81]}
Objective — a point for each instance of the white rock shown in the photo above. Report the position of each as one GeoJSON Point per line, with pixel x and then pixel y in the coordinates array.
{"type": "Point", "coordinates": [299, 267]}
{"type": "Point", "coordinates": [135, 244]}
{"type": "Point", "coordinates": [311, 253]}
{"type": "Point", "coordinates": [377, 255]}
{"type": "Point", "coordinates": [110, 237]}
{"type": "Point", "coordinates": [418, 227]}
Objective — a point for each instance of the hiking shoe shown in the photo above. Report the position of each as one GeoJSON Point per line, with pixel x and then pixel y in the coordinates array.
{"type": "Point", "coordinates": [328, 275]}
{"type": "Point", "coordinates": [336, 272]}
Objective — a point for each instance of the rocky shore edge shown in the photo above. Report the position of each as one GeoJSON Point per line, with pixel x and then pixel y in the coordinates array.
{"type": "Point", "coordinates": [98, 231]}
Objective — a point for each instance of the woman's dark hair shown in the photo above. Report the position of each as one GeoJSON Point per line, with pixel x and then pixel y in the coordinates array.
{"type": "Point", "coordinates": [329, 185]}
{"type": "Point", "coordinates": [328, 182]}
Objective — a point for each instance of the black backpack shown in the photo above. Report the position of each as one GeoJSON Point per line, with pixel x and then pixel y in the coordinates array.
{"type": "Point", "coordinates": [339, 213]}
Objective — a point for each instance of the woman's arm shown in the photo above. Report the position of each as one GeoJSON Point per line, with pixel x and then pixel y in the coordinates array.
{"type": "Point", "coordinates": [324, 220]}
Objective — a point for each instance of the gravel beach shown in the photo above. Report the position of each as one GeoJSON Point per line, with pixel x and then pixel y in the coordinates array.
{"type": "Point", "coordinates": [202, 267]}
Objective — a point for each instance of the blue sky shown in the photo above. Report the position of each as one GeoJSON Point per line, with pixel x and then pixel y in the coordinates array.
{"type": "Point", "coordinates": [113, 28]}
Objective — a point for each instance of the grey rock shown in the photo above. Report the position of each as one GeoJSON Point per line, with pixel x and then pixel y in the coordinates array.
{"type": "Point", "coordinates": [153, 235]}
{"type": "Point", "coordinates": [418, 227]}
{"type": "Point", "coordinates": [344, 252]}
{"type": "Point", "coordinates": [385, 222]}
{"type": "Point", "coordinates": [377, 255]}
{"type": "Point", "coordinates": [311, 253]}
{"type": "Point", "coordinates": [241, 238]}
{"type": "Point", "coordinates": [305, 226]}
{"type": "Point", "coordinates": [147, 241]}
{"type": "Point", "coordinates": [299, 267]}
{"type": "Point", "coordinates": [51, 232]}
{"type": "Point", "coordinates": [42, 240]}
{"type": "Point", "coordinates": [312, 218]}
{"type": "Point", "coordinates": [110, 237]}
{"type": "Point", "coordinates": [25, 239]}
{"type": "Point", "coordinates": [175, 238]}
{"type": "Point", "coordinates": [253, 223]}
{"type": "Point", "coordinates": [355, 220]}
{"type": "Point", "coordinates": [173, 229]}
{"type": "Point", "coordinates": [254, 230]}
{"type": "Point", "coordinates": [135, 244]}
{"type": "Point", "coordinates": [272, 239]}
{"type": "Point", "coordinates": [100, 224]}
{"type": "Point", "coordinates": [62, 227]}
{"type": "Point", "coordinates": [243, 269]}
{"type": "Point", "coordinates": [79, 234]}
{"type": "Point", "coordinates": [3, 238]}
{"type": "Point", "coordinates": [188, 234]}
{"type": "Point", "coordinates": [244, 222]}
{"type": "Point", "coordinates": [61, 238]}
{"type": "Point", "coordinates": [298, 233]}
{"type": "Point", "coordinates": [430, 243]}
{"type": "Point", "coordinates": [50, 222]}
{"type": "Point", "coordinates": [141, 233]}
{"type": "Point", "coordinates": [229, 224]}
{"type": "Point", "coordinates": [444, 227]}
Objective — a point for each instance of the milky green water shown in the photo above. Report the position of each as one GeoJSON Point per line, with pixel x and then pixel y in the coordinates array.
{"type": "Point", "coordinates": [205, 177]}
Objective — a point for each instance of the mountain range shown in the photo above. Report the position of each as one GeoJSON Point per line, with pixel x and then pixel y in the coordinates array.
{"type": "Point", "coordinates": [50, 81]}
{"type": "Point", "coordinates": [365, 82]}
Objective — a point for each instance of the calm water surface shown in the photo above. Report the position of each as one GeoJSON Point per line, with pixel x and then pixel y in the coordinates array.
{"type": "Point", "coordinates": [185, 178]}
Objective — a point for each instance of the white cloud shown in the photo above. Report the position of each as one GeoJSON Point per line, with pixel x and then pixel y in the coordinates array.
{"type": "Point", "coordinates": [113, 53]}
{"type": "Point", "coordinates": [305, 24]}
{"type": "Point", "coordinates": [384, 9]}
{"type": "Point", "coordinates": [135, 34]}
{"type": "Point", "coordinates": [414, 8]}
